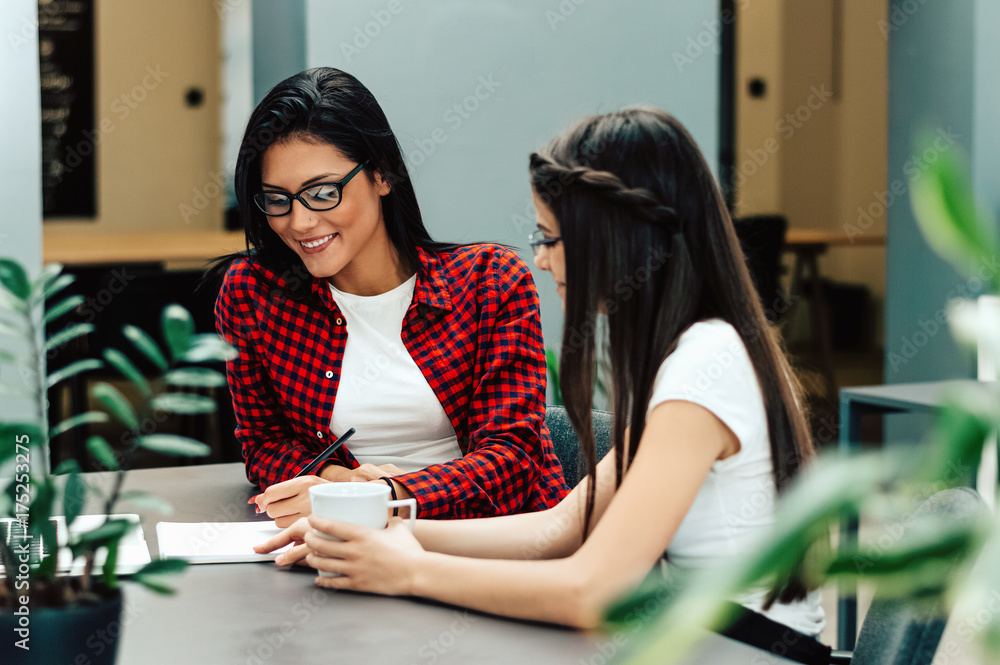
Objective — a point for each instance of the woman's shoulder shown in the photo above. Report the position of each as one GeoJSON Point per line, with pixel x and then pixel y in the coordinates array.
{"type": "Point", "coordinates": [491, 265]}
{"type": "Point", "coordinates": [710, 334]}
{"type": "Point", "coordinates": [481, 255]}
{"type": "Point", "coordinates": [709, 349]}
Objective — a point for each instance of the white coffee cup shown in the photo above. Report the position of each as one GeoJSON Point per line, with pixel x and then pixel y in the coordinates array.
{"type": "Point", "coordinates": [366, 504]}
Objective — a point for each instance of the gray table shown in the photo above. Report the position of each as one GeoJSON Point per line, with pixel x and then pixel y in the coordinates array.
{"type": "Point", "coordinates": [926, 397]}
{"type": "Point", "coordinates": [257, 613]}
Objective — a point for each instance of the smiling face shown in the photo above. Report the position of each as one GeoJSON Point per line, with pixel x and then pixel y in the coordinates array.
{"type": "Point", "coordinates": [551, 258]}
{"type": "Point", "coordinates": [349, 243]}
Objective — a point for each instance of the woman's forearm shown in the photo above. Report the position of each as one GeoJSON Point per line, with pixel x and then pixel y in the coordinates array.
{"type": "Point", "coordinates": [548, 534]}
{"type": "Point", "coordinates": [553, 591]}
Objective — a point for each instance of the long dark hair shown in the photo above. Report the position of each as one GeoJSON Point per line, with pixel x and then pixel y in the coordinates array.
{"type": "Point", "coordinates": [329, 106]}
{"type": "Point", "coordinates": [649, 242]}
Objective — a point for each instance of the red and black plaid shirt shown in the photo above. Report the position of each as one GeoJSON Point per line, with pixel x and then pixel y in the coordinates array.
{"type": "Point", "coordinates": [473, 330]}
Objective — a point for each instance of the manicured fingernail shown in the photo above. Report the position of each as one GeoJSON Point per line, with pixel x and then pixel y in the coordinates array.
{"type": "Point", "coordinates": [253, 499]}
{"type": "Point", "coordinates": [258, 510]}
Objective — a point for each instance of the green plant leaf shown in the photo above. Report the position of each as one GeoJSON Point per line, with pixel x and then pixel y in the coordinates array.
{"type": "Point", "coordinates": [171, 444]}
{"type": "Point", "coordinates": [67, 335]}
{"type": "Point", "coordinates": [146, 345]}
{"type": "Point", "coordinates": [163, 567]}
{"type": "Point", "coordinates": [73, 369]}
{"type": "Point", "coordinates": [66, 466]}
{"type": "Point", "coordinates": [12, 434]}
{"type": "Point", "coordinates": [64, 306]}
{"type": "Point", "coordinates": [14, 330]}
{"type": "Point", "coordinates": [116, 403]}
{"type": "Point", "coordinates": [14, 278]}
{"type": "Point", "coordinates": [945, 208]}
{"type": "Point", "coordinates": [209, 347]}
{"type": "Point", "coordinates": [184, 403]}
{"type": "Point", "coordinates": [101, 451]}
{"type": "Point", "coordinates": [942, 543]}
{"type": "Point", "coordinates": [154, 585]}
{"type": "Point", "coordinates": [196, 377]}
{"type": "Point", "coordinates": [178, 330]}
{"type": "Point", "coordinates": [815, 501]}
{"type": "Point", "coordinates": [45, 278]}
{"type": "Point", "coordinates": [120, 362]}
{"type": "Point", "coordinates": [38, 516]}
{"type": "Point", "coordinates": [552, 363]}
{"type": "Point", "coordinates": [108, 575]}
{"type": "Point", "coordinates": [57, 285]}
{"type": "Point", "coordinates": [11, 302]}
{"type": "Point", "coordinates": [74, 495]}
{"type": "Point", "coordinates": [90, 417]}
{"type": "Point", "coordinates": [145, 501]}
{"type": "Point", "coordinates": [111, 530]}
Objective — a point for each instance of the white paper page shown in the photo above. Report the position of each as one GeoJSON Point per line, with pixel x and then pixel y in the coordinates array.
{"type": "Point", "coordinates": [215, 542]}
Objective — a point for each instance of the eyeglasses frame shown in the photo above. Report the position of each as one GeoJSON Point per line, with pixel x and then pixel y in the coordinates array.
{"type": "Point", "coordinates": [339, 184]}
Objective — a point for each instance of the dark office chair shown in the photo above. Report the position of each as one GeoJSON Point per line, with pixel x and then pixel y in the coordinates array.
{"type": "Point", "coordinates": [567, 446]}
{"type": "Point", "coordinates": [901, 631]}
{"type": "Point", "coordinates": [763, 239]}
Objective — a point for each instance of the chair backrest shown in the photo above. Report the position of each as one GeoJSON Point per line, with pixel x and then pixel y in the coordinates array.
{"type": "Point", "coordinates": [762, 238]}
{"type": "Point", "coordinates": [899, 631]}
{"type": "Point", "coordinates": [567, 445]}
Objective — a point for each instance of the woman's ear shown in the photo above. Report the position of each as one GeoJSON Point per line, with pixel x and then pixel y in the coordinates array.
{"type": "Point", "coordinates": [381, 184]}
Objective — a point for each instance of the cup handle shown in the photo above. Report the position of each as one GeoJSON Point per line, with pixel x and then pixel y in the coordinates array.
{"type": "Point", "coordinates": [412, 503]}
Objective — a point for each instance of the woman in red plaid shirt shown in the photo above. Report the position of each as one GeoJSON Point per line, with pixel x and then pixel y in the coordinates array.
{"type": "Point", "coordinates": [346, 314]}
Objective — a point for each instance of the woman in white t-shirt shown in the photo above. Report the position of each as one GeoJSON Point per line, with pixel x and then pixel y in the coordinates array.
{"type": "Point", "coordinates": [632, 226]}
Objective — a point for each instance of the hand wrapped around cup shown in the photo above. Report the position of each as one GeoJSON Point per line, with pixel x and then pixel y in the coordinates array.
{"type": "Point", "coordinates": [367, 504]}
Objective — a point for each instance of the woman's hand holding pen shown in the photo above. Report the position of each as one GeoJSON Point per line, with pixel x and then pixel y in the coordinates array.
{"type": "Point", "coordinates": [288, 501]}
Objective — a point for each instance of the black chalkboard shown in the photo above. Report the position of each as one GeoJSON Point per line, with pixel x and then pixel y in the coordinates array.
{"type": "Point", "coordinates": [70, 137]}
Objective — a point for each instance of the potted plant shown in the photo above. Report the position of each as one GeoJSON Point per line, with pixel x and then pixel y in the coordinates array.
{"type": "Point", "coordinates": [953, 566]}
{"type": "Point", "coordinates": [37, 604]}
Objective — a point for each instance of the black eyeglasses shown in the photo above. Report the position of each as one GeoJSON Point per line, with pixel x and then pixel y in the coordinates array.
{"type": "Point", "coordinates": [537, 240]}
{"type": "Point", "coordinates": [318, 197]}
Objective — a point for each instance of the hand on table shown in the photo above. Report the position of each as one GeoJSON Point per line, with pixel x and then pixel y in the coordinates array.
{"type": "Point", "coordinates": [295, 534]}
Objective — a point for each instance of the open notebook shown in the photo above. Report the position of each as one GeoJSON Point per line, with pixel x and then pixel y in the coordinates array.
{"type": "Point", "coordinates": [215, 542]}
{"type": "Point", "coordinates": [132, 551]}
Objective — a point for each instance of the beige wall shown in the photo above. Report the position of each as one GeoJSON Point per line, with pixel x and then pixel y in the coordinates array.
{"type": "Point", "coordinates": [829, 157]}
{"type": "Point", "coordinates": [155, 154]}
{"type": "Point", "coordinates": [759, 54]}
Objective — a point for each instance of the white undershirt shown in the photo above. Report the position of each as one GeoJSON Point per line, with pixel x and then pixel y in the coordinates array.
{"type": "Point", "coordinates": [382, 393]}
{"type": "Point", "coordinates": [735, 505]}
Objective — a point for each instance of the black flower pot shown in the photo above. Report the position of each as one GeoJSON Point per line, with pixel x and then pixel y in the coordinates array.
{"type": "Point", "coordinates": [73, 634]}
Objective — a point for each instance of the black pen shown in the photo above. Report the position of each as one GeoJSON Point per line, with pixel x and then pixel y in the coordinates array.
{"type": "Point", "coordinates": [325, 455]}
{"type": "Point", "coordinates": [309, 468]}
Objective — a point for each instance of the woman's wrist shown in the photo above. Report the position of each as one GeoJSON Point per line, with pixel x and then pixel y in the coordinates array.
{"type": "Point", "coordinates": [335, 473]}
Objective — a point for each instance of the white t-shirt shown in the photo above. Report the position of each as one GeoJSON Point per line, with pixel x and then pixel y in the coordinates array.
{"type": "Point", "coordinates": [735, 505]}
{"type": "Point", "coordinates": [382, 393]}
